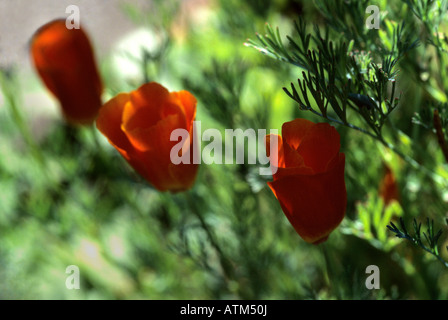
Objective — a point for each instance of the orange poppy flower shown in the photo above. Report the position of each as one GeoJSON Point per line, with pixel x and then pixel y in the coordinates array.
{"type": "Point", "coordinates": [65, 62]}
{"type": "Point", "coordinates": [139, 125]}
{"type": "Point", "coordinates": [388, 189]}
{"type": "Point", "coordinates": [309, 180]}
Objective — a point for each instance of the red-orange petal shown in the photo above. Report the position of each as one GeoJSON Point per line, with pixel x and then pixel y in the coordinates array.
{"type": "Point", "coordinates": [314, 204]}
{"type": "Point", "coordinates": [109, 121]}
{"type": "Point", "coordinates": [65, 62]}
{"type": "Point", "coordinates": [164, 175]}
{"type": "Point", "coordinates": [156, 137]}
{"type": "Point", "coordinates": [292, 157]}
{"type": "Point", "coordinates": [277, 159]}
{"type": "Point", "coordinates": [294, 131]}
{"type": "Point", "coordinates": [140, 124]}
{"type": "Point", "coordinates": [184, 176]}
{"type": "Point", "coordinates": [144, 110]}
{"type": "Point", "coordinates": [388, 189]}
{"type": "Point", "coordinates": [285, 159]}
{"type": "Point", "coordinates": [286, 172]}
{"type": "Point", "coordinates": [188, 102]}
{"type": "Point", "coordinates": [152, 106]}
{"type": "Point", "coordinates": [319, 146]}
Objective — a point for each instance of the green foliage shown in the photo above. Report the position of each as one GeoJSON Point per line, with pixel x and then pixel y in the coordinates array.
{"type": "Point", "coordinates": [431, 238]}
{"type": "Point", "coordinates": [369, 225]}
{"type": "Point", "coordinates": [68, 198]}
{"type": "Point", "coordinates": [338, 76]}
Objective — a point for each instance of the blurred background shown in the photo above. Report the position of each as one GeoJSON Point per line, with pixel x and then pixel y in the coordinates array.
{"type": "Point", "coordinates": [68, 198]}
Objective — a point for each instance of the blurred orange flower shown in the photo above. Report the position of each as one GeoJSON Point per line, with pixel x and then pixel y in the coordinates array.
{"type": "Point", "coordinates": [65, 61]}
{"type": "Point", "coordinates": [388, 189]}
{"type": "Point", "coordinates": [309, 181]}
{"type": "Point", "coordinates": [139, 125]}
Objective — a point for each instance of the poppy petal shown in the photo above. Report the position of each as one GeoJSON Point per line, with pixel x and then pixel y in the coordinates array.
{"type": "Point", "coordinates": [314, 204]}
{"type": "Point", "coordinates": [277, 159]}
{"type": "Point", "coordinates": [144, 110]}
{"type": "Point", "coordinates": [109, 121]}
{"type": "Point", "coordinates": [65, 62]}
{"type": "Point", "coordinates": [319, 146]}
{"type": "Point", "coordinates": [294, 131]}
{"type": "Point", "coordinates": [140, 124]}
{"type": "Point", "coordinates": [188, 102]}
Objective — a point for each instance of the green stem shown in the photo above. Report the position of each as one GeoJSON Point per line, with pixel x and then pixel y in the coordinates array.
{"type": "Point", "coordinates": [330, 271]}
{"type": "Point", "coordinates": [348, 125]}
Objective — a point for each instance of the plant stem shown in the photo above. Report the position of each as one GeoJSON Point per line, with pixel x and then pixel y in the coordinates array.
{"type": "Point", "coordinates": [330, 271]}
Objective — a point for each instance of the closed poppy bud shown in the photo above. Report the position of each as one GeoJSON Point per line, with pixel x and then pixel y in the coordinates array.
{"type": "Point", "coordinates": [309, 178]}
{"type": "Point", "coordinates": [388, 189]}
{"type": "Point", "coordinates": [65, 61]}
{"type": "Point", "coordinates": [140, 124]}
